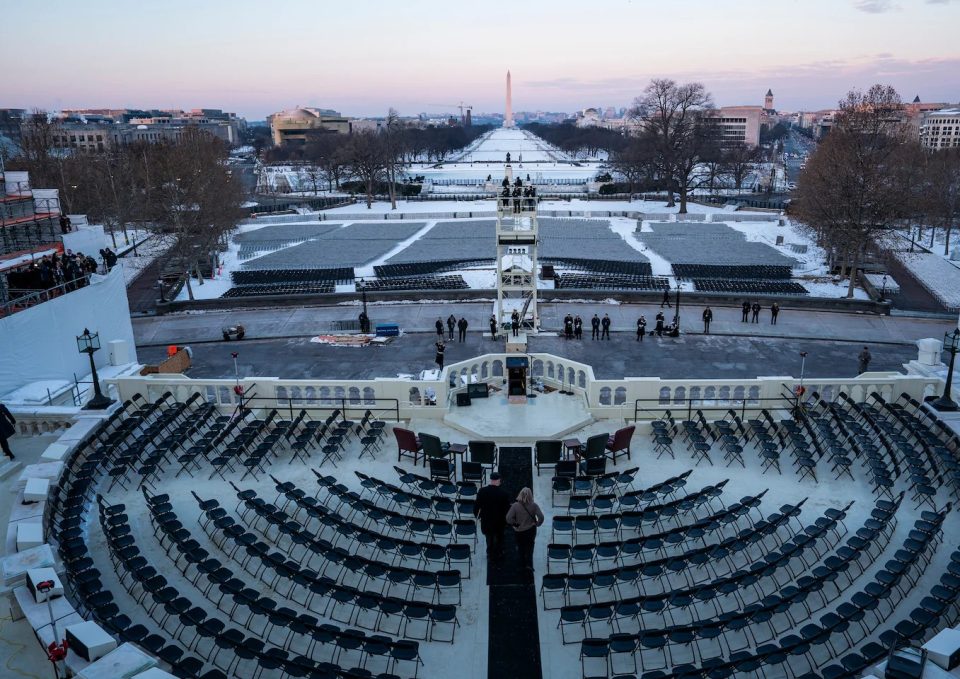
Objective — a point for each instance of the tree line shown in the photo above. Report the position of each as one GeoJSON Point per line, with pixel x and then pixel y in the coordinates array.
{"type": "Point", "coordinates": [182, 189]}
{"type": "Point", "coordinates": [372, 161]}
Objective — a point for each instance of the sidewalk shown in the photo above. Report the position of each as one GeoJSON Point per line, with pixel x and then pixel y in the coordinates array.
{"type": "Point", "coordinates": [420, 317]}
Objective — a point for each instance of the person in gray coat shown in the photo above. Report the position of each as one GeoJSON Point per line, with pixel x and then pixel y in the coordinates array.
{"type": "Point", "coordinates": [525, 516]}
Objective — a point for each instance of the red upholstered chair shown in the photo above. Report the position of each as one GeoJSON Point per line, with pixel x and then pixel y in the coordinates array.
{"type": "Point", "coordinates": [407, 444]}
{"type": "Point", "coordinates": [619, 443]}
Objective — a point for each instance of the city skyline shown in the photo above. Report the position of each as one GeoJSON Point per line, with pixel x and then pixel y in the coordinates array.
{"type": "Point", "coordinates": [363, 58]}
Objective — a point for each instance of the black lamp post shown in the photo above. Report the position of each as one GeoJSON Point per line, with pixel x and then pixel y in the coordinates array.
{"type": "Point", "coordinates": [951, 343]}
{"type": "Point", "coordinates": [883, 288]}
{"type": "Point", "coordinates": [160, 285]}
{"type": "Point", "coordinates": [678, 306]}
{"type": "Point", "coordinates": [362, 284]}
{"type": "Point", "coordinates": [89, 344]}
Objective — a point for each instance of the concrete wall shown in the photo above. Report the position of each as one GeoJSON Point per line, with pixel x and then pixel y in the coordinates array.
{"type": "Point", "coordinates": [40, 343]}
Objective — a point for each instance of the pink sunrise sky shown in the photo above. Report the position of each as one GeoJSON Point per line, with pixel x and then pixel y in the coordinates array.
{"type": "Point", "coordinates": [367, 55]}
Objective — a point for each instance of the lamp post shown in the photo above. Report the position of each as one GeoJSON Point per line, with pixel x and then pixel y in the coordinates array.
{"type": "Point", "coordinates": [89, 344]}
{"type": "Point", "coordinates": [883, 288]}
{"type": "Point", "coordinates": [160, 285]}
{"type": "Point", "coordinates": [951, 343]}
{"type": "Point", "coordinates": [362, 284]}
{"type": "Point", "coordinates": [800, 389]}
{"type": "Point", "coordinates": [678, 306]}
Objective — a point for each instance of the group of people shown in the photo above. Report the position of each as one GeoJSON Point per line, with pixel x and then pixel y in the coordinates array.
{"type": "Point", "coordinates": [50, 271]}
{"type": "Point", "coordinates": [451, 324]}
{"type": "Point", "coordinates": [512, 194]}
{"type": "Point", "coordinates": [496, 511]}
{"type": "Point", "coordinates": [752, 311]}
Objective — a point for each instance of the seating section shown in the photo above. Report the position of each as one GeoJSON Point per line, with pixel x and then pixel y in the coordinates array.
{"type": "Point", "coordinates": [728, 271]}
{"type": "Point", "coordinates": [749, 287]}
{"type": "Point", "coordinates": [308, 580]}
{"type": "Point", "coordinates": [600, 266]}
{"type": "Point", "coordinates": [609, 282]}
{"type": "Point", "coordinates": [258, 289]}
{"type": "Point", "coordinates": [419, 283]}
{"type": "Point", "coordinates": [667, 582]}
{"type": "Point", "coordinates": [424, 268]}
{"type": "Point", "coordinates": [340, 275]}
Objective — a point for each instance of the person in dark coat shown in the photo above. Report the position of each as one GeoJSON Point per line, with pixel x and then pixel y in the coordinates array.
{"type": "Point", "coordinates": [666, 299]}
{"type": "Point", "coordinates": [439, 326]}
{"type": "Point", "coordinates": [515, 322]}
{"type": "Point", "coordinates": [707, 317]}
{"type": "Point", "coordinates": [578, 327]}
{"type": "Point", "coordinates": [64, 226]}
{"type": "Point", "coordinates": [641, 328]}
{"type": "Point", "coordinates": [364, 322]}
{"type": "Point", "coordinates": [491, 507]}
{"type": "Point", "coordinates": [863, 361]}
{"type": "Point", "coordinates": [774, 312]}
{"type": "Point", "coordinates": [659, 326]}
{"type": "Point", "coordinates": [606, 327]}
{"type": "Point", "coordinates": [441, 347]}
{"type": "Point", "coordinates": [746, 312]}
{"type": "Point", "coordinates": [462, 327]}
{"type": "Point", "coordinates": [451, 324]}
{"type": "Point", "coordinates": [7, 420]}
{"type": "Point", "coordinates": [493, 328]}
{"type": "Point", "coordinates": [568, 327]}
{"type": "Point", "coordinates": [595, 324]}
{"type": "Point", "coordinates": [756, 312]}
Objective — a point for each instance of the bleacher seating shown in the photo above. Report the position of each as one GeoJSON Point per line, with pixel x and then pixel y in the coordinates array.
{"type": "Point", "coordinates": [609, 282]}
{"type": "Point", "coordinates": [293, 288]}
{"type": "Point", "coordinates": [425, 282]}
{"type": "Point", "coordinates": [735, 271]}
{"type": "Point", "coordinates": [341, 275]}
{"type": "Point", "coordinates": [425, 268]}
{"type": "Point", "coordinates": [749, 287]}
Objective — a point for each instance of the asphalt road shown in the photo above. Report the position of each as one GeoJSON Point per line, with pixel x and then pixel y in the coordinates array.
{"type": "Point", "coordinates": [689, 356]}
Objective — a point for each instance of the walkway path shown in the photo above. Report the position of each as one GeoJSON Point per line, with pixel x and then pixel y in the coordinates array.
{"type": "Point", "coordinates": [420, 317]}
{"type": "Point", "coordinates": [514, 641]}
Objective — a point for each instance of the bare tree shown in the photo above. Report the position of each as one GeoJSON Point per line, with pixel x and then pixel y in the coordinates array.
{"type": "Point", "coordinates": [636, 162]}
{"type": "Point", "coordinates": [394, 144]}
{"type": "Point", "coordinates": [366, 159]}
{"type": "Point", "coordinates": [740, 160]}
{"type": "Point", "coordinates": [851, 193]}
{"type": "Point", "coordinates": [674, 115]}
{"type": "Point", "coordinates": [942, 192]}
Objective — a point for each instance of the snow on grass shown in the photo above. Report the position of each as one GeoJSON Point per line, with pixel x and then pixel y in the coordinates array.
{"type": "Point", "coordinates": [939, 276]}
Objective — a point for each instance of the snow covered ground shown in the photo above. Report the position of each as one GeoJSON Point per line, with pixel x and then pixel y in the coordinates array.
{"type": "Point", "coordinates": [810, 272]}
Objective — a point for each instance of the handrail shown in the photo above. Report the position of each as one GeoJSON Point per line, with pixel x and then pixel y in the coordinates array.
{"type": "Point", "coordinates": [691, 404]}
{"type": "Point", "coordinates": [293, 405]}
{"type": "Point", "coordinates": [38, 297]}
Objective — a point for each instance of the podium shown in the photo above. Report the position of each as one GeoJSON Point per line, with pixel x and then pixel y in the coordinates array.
{"type": "Point", "coordinates": [517, 367]}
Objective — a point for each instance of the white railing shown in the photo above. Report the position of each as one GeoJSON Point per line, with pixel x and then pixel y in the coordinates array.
{"type": "Point", "coordinates": [621, 398]}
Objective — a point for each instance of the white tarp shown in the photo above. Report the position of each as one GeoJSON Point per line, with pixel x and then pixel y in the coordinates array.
{"type": "Point", "coordinates": [40, 343]}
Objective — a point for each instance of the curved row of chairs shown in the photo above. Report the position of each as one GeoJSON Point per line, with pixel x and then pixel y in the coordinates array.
{"type": "Point", "coordinates": [899, 575]}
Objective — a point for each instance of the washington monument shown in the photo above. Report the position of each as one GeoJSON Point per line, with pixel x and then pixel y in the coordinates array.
{"type": "Point", "coordinates": [508, 113]}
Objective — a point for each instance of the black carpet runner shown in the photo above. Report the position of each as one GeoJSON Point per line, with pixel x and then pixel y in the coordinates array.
{"type": "Point", "coordinates": [514, 638]}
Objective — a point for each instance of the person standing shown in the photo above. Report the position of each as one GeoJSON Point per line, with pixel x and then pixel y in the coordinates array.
{"type": "Point", "coordinates": [578, 327]}
{"type": "Point", "coordinates": [568, 327]}
{"type": "Point", "coordinates": [659, 326]}
{"type": "Point", "coordinates": [493, 328]}
{"type": "Point", "coordinates": [441, 347]}
{"type": "Point", "coordinates": [707, 317]}
{"type": "Point", "coordinates": [595, 325]}
{"type": "Point", "coordinates": [364, 322]}
{"type": "Point", "coordinates": [641, 328]}
{"type": "Point", "coordinates": [451, 324]}
{"type": "Point", "coordinates": [491, 507]}
{"type": "Point", "coordinates": [7, 420]}
{"type": "Point", "coordinates": [756, 312]}
{"type": "Point", "coordinates": [666, 299]}
{"type": "Point", "coordinates": [774, 312]}
{"type": "Point", "coordinates": [462, 327]}
{"type": "Point", "coordinates": [525, 516]}
{"type": "Point", "coordinates": [746, 311]}
{"type": "Point", "coordinates": [863, 361]}
{"type": "Point", "coordinates": [515, 322]}
{"type": "Point", "coordinates": [606, 327]}
{"type": "Point", "coordinates": [439, 326]}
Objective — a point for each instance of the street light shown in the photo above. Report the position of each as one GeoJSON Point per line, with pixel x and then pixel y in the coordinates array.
{"type": "Point", "coordinates": [160, 285]}
{"type": "Point", "coordinates": [800, 390]}
{"type": "Point", "coordinates": [951, 343]}
{"type": "Point", "coordinates": [883, 289]}
{"type": "Point", "coordinates": [365, 321]}
{"type": "Point", "coordinates": [89, 344]}
{"type": "Point", "coordinates": [677, 317]}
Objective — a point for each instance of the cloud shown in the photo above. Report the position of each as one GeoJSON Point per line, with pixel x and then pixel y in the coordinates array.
{"type": "Point", "coordinates": [876, 6]}
{"type": "Point", "coordinates": [938, 2]}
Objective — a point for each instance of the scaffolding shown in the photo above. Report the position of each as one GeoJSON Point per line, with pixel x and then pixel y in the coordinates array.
{"type": "Point", "coordinates": [29, 224]}
{"type": "Point", "coordinates": [517, 241]}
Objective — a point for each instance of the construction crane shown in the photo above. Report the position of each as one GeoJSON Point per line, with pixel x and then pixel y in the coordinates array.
{"type": "Point", "coordinates": [463, 107]}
